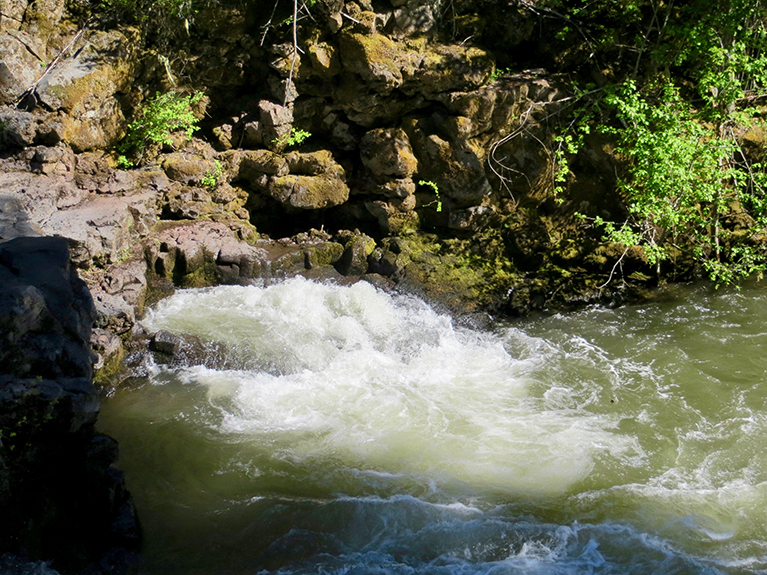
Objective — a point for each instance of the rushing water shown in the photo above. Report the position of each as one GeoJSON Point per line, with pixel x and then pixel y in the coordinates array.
{"type": "Point", "coordinates": [355, 432]}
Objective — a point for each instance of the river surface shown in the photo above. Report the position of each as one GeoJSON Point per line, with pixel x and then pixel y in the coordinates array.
{"type": "Point", "coordinates": [346, 431]}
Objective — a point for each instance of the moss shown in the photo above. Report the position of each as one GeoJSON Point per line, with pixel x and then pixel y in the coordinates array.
{"type": "Point", "coordinates": [466, 275]}
{"type": "Point", "coordinates": [205, 274]}
{"type": "Point", "coordinates": [374, 57]}
{"type": "Point", "coordinates": [158, 288]}
{"type": "Point", "coordinates": [324, 255]}
{"type": "Point", "coordinates": [111, 368]}
{"type": "Point", "coordinates": [309, 192]}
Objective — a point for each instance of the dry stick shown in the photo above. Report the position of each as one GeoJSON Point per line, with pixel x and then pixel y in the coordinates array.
{"type": "Point", "coordinates": [31, 90]}
{"type": "Point", "coordinates": [537, 9]}
{"type": "Point", "coordinates": [345, 15]}
{"type": "Point", "coordinates": [521, 128]}
{"type": "Point", "coordinates": [494, 148]}
{"type": "Point", "coordinates": [268, 24]}
{"type": "Point", "coordinates": [295, 52]}
{"type": "Point", "coordinates": [612, 271]}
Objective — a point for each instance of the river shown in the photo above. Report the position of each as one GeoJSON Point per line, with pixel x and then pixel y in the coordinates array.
{"type": "Point", "coordinates": [348, 431]}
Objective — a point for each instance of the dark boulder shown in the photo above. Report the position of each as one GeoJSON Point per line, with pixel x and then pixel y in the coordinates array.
{"type": "Point", "coordinates": [46, 311]}
{"type": "Point", "coordinates": [61, 499]}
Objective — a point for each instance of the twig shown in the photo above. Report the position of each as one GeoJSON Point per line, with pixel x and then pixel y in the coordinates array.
{"type": "Point", "coordinates": [295, 52]}
{"type": "Point", "coordinates": [536, 9]}
{"type": "Point", "coordinates": [612, 271]}
{"type": "Point", "coordinates": [31, 90]}
{"type": "Point", "coordinates": [268, 24]}
{"type": "Point", "coordinates": [497, 144]}
{"type": "Point", "coordinates": [345, 15]}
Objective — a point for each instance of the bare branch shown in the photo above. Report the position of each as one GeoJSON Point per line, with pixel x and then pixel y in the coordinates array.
{"type": "Point", "coordinates": [31, 90]}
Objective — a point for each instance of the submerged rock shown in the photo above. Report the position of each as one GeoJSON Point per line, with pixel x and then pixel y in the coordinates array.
{"type": "Point", "coordinates": [165, 342]}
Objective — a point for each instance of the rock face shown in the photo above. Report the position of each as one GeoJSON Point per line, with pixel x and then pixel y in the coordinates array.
{"type": "Point", "coordinates": [411, 131]}
{"type": "Point", "coordinates": [47, 312]}
{"type": "Point", "coordinates": [60, 496]}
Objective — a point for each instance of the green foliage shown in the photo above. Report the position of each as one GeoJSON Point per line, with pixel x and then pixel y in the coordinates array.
{"type": "Point", "coordinates": [498, 72]}
{"type": "Point", "coordinates": [212, 178]}
{"type": "Point", "coordinates": [435, 188]}
{"type": "Point", "coordinates": [124, 163]}
{"type": "Point", "coordinates": [155, 121]}
{"type": "Point", "coordinates": [688, 183]}
{"type": "Point", "coordinates": [567, 143]}
{"type": "Point", "coordinates": [294, 138]}
{"type": "Point", "coordinates": [678, 99]}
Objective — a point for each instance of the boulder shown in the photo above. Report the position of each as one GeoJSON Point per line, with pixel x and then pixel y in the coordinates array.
{"type": "Point", "coordinates": [308, 192]}
{"type": "Point", "coordinates": [478, 105]}
{"type": "Point", "coordinates": [446, 68]}
{"type": "Point", "coordinates": [46, 312]}
{"type": "Point", "coordinates": [415, 17]}
{"type": "Point", "coordinates": [165, 342]}
{"type": "Point", "coordinates": [357, 248]}
{"type": "Point", "coordinates": [103, 229]}
{"type": "Point", "coordinates": [18, 129]}
{"type": "Point", "coordinates": [14, 220]}
{"type": "Point", "coordinates": [324, 59]}
{"type": "Point", "coordinates": [375, 58]}
{"type": "Point", "coordinates": [20, 64]}
{"type": "Point", "coordinates": [109, 351]}
{"type": "Point", "coordinates": [316, 163]}
{"type": "Point", "coordinates": [276, 122]}
{"type": "Point", "coordinates": [203, 253]}
{"type": "Point", "coordinates": [60, 497]}
{"type": "Point", "coordinates": [12, 14]}
{"type": "Point", "coordinates": [399, 189]}
{"type": "Point", "coordinates": [87, 86]}
{"type": "Point", "coordinates": [387, 152]}
{"type": "Point", "coordinates": [188, 168]}
{"type": "Point", "coordinates": [32, 199]}
{"type": "Point", "coordinates": [394, 218]}
{"type": "Point", "coordinates": [43, 20]}
{"type": "Point", "coordinates": [119, 293]}
{"type": "Point", "coordinates": [456, 167]}
{"type": "Point", "coordinates": [254, 163]}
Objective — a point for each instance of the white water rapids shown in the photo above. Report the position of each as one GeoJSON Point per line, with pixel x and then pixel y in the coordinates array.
{"type": "Point", "coordinates": [357, 432]}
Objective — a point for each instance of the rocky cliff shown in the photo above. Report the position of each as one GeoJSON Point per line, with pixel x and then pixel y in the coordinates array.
{"type": "Point", "coordinates": [444, 165]}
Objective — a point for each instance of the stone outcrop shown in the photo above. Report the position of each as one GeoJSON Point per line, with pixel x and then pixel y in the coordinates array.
{"type": "Point", "coordinates": [411, 131]}
{"type": "Point", "coordinates": [72, 79]}
{"type": "Point", "coordinates": [60, 496]}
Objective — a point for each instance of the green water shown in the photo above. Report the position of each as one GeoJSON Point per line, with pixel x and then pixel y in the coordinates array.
{"type": "Point", "coordinates": [353, 432]}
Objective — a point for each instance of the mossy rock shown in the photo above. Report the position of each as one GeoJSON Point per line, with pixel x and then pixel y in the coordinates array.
{"type": "Point", "coordinates": [448, 68]}
{"type": "Point", "coordinates": [464, 275]}
{"type": "Point", "coordinates": [205, 273]}
{"type": "Point", "coordinates": [323, 255]}
{"type": "Point", "coordinates": [374, 57]}
{"type": "Point", "coordinates": [308, 192]}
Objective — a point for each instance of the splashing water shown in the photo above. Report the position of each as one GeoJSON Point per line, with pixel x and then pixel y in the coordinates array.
{"type": "Point", "coordinates": [356, 432]}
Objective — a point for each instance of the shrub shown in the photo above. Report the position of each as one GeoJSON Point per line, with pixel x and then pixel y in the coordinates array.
{"type": "Point", "coordinates": [156, 120]}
